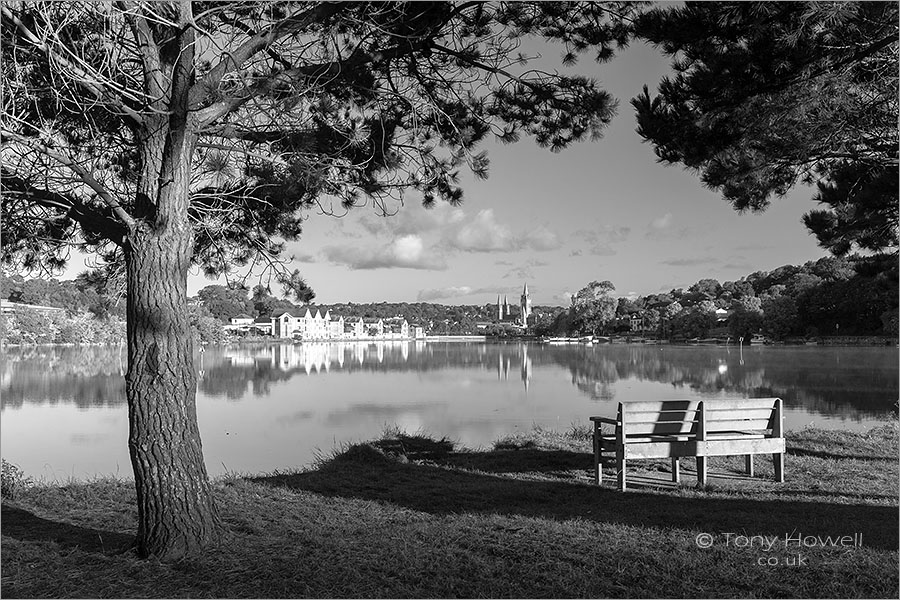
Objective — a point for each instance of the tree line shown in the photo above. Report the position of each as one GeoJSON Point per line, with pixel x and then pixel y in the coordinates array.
{"type": "Point", "coordinates": [829, 296]}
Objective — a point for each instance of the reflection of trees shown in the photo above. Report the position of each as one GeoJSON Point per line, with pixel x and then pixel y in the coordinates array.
{"type": "Point", "coordinates": [850, 382]}
{"type": "Point", "coordinates": [92, 376]}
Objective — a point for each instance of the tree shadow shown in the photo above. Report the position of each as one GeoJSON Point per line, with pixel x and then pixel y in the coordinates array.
{"type": "Point", "coordinates": [440, 490]}
{"type": "Point", "coordinates": [523, 460]}
{"type": "Point", "coordinates": [22, 525]}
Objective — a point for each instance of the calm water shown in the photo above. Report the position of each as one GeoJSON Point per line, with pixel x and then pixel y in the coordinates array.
{"type": "Point", "coordinates": [273, 407]}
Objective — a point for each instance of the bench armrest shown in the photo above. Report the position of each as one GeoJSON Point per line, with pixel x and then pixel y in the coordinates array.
{"type": "Point", "coordinates": [605, 420]}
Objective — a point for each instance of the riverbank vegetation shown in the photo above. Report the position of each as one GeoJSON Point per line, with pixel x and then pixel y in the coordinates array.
{"type": "Point", "coordinates": [827, 297]}
{"type": "Point", "coordinates": [416, 516]}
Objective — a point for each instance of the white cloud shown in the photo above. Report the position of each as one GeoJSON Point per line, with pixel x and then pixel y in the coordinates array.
{"type": "Point", "coordinates": [540, 238]}
{"type": "Point", "coordinates": [483, 234]}
{"type": "Point", "coordinates": [405, 252]}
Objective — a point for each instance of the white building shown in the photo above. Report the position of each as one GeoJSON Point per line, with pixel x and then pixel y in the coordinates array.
{"type": "Point", "coordinates": [317, 326]}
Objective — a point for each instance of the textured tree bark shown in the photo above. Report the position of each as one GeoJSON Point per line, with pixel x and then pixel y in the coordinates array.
{"type": "Point", "coordinates": [176, 512]}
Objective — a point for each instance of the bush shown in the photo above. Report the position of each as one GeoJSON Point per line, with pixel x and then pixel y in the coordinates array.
{"type": "Point", "coordinates": [12, 480]}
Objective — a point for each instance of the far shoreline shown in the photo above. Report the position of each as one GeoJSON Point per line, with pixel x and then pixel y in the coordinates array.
{"type": "Point", "coordinates": [830, 341]}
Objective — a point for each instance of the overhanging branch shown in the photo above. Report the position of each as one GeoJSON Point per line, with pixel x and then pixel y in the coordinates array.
{"type": "Point", "coordinates": [82, 173]}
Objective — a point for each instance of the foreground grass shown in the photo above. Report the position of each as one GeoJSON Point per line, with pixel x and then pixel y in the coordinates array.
{"type": "Point", "coordinates": [411, 516]}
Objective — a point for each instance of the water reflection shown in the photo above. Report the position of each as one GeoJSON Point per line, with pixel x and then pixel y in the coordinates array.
{"type": "Point", "coordinates": [847, 382]}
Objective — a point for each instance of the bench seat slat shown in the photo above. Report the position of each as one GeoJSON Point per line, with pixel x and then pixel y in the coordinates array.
{"type": "Point", "coordinates": [741, 404]}
{"type": "Point", "coordinates": [642, 406]}
{"type": "Point", "coordinates": [736, 425]}
{"type": "Point", "coordinates": [714, 447]}
{"type": "Point", "coordinates": [719, 414]}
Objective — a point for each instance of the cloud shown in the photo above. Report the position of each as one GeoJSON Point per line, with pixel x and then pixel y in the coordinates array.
{"type": "Point", "coordinates": [600, 240]}
{"type": "Point", "coordinates": [413, 219]}
{"type": "Point", "coordinates": [429, 294]}
{"type": "Point", "coordinates": [520, 273]}
{"type": "Point", "coordinates": [483, 234]}
{"type": "Point", "coordinates": [304, 257]}
{"type": "Point", "coordinates": [689, 262]}
{"type": "Point", "coordinates": [405, 252]}
{"type": "Point", "coordinates": [445, 292]}
{"type": "Point", "coordinates": [575, 252]}
{"type": "Point", "coordinates": [663, 222]}
{"type": "Point", "coordinates": [540, 238]}
{"type": "Point", "coordinates": [564, 297]}
{"type": "Point", "coordinates": [664, 228]}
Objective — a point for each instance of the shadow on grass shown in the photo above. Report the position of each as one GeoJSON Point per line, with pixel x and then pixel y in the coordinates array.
{"type": "Point", "coordinates": [835, 456]}
{"type": "Point", "coordinates": [25, 526]}
{"type": "Point", "coordinates": [366, 473]}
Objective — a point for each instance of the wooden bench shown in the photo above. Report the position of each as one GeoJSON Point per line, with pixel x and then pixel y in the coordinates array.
{"type": "Point", "coordinates": [678, 428]}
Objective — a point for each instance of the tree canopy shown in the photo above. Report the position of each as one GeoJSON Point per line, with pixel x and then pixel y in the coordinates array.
{"type": "Point", "coordinates": [769, 94]}
{"type": "Point", "coordinates": [594, 305]}
{"type": "Point", "coordinates": [291, 106]}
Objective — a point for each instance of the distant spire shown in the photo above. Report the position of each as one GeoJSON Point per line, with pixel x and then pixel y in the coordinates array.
{"type": "Point", "coordinates": [525, 291]}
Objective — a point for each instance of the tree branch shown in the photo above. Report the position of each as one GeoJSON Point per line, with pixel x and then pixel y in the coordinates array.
{"type": "Point", "coordinates": [81, 77]}
{"type": "Point", "coordinates": [82, 173]}
{"type": "Point", "coordinates": [153, 75]}
{"type": "Point", "coordinates": [84, 215]}
{"type": "Point", "coordinates": [262, 40]}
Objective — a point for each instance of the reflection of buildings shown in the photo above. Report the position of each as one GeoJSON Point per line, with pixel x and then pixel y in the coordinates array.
{"type": "Point", "coordinates": [320, 356]}
{"type": "Point", "coordinates": [504, 362]}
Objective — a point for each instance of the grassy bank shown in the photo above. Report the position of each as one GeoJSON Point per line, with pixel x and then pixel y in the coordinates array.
{"type": "Point", "coordinates": [412, 516]}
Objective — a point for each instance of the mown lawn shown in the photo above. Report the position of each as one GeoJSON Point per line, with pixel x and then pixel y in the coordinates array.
{"type": "Point", "coordinates": [413, 516]}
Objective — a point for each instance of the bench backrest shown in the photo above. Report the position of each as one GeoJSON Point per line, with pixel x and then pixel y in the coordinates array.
{"type": "Point", "coordinates": [701, 418]}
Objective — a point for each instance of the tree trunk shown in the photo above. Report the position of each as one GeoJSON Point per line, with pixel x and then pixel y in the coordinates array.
{"type": "Point", "coordinates": [176, 512]}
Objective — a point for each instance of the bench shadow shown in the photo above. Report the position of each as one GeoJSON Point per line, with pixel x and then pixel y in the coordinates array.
{"type": "Point", "coordinates": [22, 525]}
{"type": "Point", "coordinates": [439, 490]}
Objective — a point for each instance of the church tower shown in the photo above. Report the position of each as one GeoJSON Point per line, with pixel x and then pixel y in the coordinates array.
{"type": "Point", "coordinates": [499, 308]}
{"type": "Point", "coordinates": [525, 306]}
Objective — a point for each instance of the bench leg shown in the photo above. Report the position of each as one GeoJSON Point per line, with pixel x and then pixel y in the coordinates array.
{"type": "Point", "coordinates": [676, 470]}
{"type": "Point", "coordinates": [598, 468]}
{"type": "Point", "coordinates": [778, 459]}
{"type": "Point", "coordinates": [701, 470]}
{"type": "Point", "coordinates": [749, 461]}
{"type": "Point", "coordinates": [620, 465]}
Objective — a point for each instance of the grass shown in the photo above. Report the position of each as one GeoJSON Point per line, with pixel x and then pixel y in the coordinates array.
{"type": "Point", "coordinates": [410, 515]}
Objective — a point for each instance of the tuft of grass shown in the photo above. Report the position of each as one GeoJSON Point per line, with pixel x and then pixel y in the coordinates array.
{"type": "Point", "coordinates": [12, 480]}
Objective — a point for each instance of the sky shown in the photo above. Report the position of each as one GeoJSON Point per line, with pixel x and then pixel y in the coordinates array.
{"type": "Point", "coordinates": [604, 210]}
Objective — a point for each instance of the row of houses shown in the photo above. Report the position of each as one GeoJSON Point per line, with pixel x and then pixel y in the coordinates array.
{"type": "Point", "coordinates": [639, 323]}
{"type": "Point", "coordinates": [323, 326]}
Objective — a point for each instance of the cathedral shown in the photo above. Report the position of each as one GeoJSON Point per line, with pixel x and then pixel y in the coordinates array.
{"type": "Point", "coordinates": [505, 313]}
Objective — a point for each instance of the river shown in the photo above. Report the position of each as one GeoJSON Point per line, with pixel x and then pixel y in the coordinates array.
{"type": "Point", "coordinates": [263, 408]}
